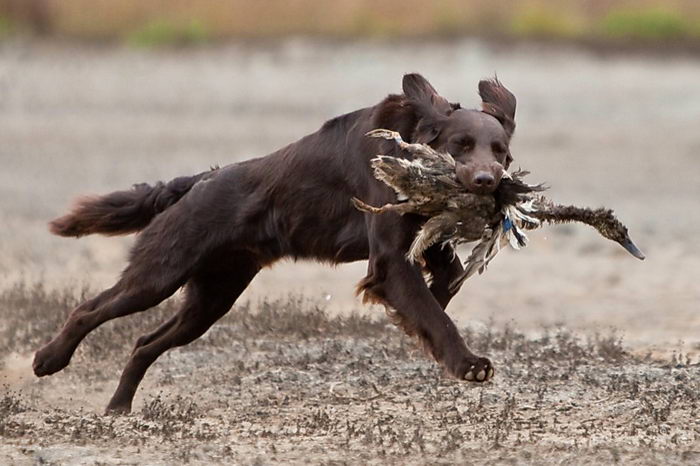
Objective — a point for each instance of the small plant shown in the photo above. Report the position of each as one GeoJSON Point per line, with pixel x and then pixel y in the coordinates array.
{"type": "Point", "coordinates": [6, 28]}
{"type": "Point", "coordinates": [181, 410]}
{"type": "Point", "coordinates": [30, 314]}
{"type": "Point", "coordinates": [10, 403]}
{"type": "Point", "coordinates": [536, 22]}
{"type": "Point", "coordinates": [609, 348]}
{"type": "Point", "coordinates": [162, 32]}
{"type": "Point", "coordinates": [367, 23]}
{"type": "Point", "coordinates": [652, 23]}
{"type": "Point", "coordinates": [299, 316]}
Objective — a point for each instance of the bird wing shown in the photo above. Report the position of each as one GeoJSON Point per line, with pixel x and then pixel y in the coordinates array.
{"type": "Point", "coordinates": [410, 178]}
{"type": "Point", "coordinates": [483, 253]}
{"type": "Point", "coordinates": [433, 230]}
{"type": "Point", "coordinates": [431, 158]}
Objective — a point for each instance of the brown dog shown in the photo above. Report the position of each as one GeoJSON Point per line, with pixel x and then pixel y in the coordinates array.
{"type": "Point", "coordinates": [213, 232]}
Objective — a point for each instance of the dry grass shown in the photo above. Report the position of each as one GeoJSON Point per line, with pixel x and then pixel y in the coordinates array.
{"type": "Point", "coordinates": [282, 381]}
{"type": "Point", "coordinates": [182, 22]}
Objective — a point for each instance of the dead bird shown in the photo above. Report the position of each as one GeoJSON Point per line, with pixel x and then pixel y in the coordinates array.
{"type": "Point", "coordinates": [427, 185]}
{"type": "Point", "coordinates": [532, 214]}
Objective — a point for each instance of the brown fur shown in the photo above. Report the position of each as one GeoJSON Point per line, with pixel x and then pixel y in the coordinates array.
{"type": "Point", "coordinates": [122, 212]}
{"type": "Point", "coordinates": [212, 233]}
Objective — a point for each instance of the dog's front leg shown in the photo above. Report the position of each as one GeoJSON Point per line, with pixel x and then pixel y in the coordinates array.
{"type": "Point", "coordinates": [395, 282]}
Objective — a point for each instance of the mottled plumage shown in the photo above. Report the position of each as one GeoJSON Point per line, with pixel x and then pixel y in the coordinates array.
{"type": "Point", "coordinates": [427, 185]}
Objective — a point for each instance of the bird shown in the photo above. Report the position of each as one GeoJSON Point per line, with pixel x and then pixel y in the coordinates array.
{"type": "Point", "coordinates": [427, 185]}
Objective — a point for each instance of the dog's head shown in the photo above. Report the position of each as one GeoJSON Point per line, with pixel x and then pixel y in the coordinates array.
{"type": "Point", "coordinates": [479, 140]}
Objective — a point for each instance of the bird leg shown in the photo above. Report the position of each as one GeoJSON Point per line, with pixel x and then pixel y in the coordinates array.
{"type": "Point", "coordinates": [402, 208]}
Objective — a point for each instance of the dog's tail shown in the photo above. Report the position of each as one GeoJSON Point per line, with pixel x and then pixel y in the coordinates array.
{"type": "Point", "coordinates": [123, 212]}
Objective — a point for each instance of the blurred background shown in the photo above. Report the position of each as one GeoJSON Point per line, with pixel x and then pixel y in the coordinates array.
{"type": "Point", "coordinates": [96, 95]}
{"type": "Point", "coordinates": [154, 22]}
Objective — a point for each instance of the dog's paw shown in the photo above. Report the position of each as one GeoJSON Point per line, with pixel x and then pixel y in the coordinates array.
{"type": "Point", "coordinates": [476, 369]}
{"type": "Point", "coordinates": [116, 408]}
{"type": "Point", "coordinates": [49, 360]}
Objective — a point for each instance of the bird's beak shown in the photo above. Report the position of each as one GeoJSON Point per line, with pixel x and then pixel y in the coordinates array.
{"type": "Point", "coordinates": [632, 248]}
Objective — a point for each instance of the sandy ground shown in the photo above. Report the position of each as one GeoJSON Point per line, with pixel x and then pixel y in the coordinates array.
{"type": "Point", "coordinates": [615, 131]}
{"type": "Point", "coordinates": [281, 382]}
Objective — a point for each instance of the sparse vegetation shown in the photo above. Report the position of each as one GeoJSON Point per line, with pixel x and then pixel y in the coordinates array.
{"type": "Point", "coordinates": [283, 377]}
{"type": "Point", "coordinates": [546, 23]}
{"type": "Point", "coordinates": [6, 28]}
{"type": "Point", "coordinates": [10, 403]}
{"type": "Point", "coordinates": [648, 24]}
{"type": "Point", "coordinates": [162, 32]}
{"type": "Point", "coordinates": [156, 23]}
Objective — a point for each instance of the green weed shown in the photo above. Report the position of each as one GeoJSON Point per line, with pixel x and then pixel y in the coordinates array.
{"type": "Point", "coordinates": [6, 28]}
{"type": "Point", "coordinates": [535, 22]}
{"type": "Point", "coordinates": [161, 32]}
{"type": "Point", "coordinates": [653, 23]}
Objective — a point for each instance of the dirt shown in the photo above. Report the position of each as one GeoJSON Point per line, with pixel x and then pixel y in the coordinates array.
{"type": "Point", "coordinates": [596, 353]}
{"type": "Point", "coordinates": [281, 381]}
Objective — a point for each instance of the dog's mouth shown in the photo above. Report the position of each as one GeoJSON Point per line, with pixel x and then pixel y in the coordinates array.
{"type": "Point", "coordinates": [482, 190]}
{"type": "Point", "coordinates": [480, 180]}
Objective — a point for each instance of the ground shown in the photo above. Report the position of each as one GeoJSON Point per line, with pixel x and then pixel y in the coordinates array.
{"type": "Point", "coordinates": [286, 383]}
{"type": "Point", "coordinates": [596, 353]}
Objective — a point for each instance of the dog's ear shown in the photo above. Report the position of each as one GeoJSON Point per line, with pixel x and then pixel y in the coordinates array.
{"type": "Point", "coordinates": [427, 130]}
{"type": "Point", "coordinates": [430, 107]}
{"type": "Point", "coordinates": [419, 90]}
{"type": "Point", "coordinates": [498, 102]}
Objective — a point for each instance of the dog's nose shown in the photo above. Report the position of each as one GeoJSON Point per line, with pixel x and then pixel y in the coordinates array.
{"type": "Point", "coordinates": [484, 180]}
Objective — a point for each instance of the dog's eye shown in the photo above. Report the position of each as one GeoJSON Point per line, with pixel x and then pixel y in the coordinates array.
{"type": "Point", "coordinates": [467, 143]}
{"type": "Point", "coordinates": [498, 148]}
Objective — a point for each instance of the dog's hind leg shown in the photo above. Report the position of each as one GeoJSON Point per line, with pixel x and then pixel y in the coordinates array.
{"type": "Point", "coordinates": [117, 301]}
{"type": "Point", "coordinates": [209, 294]}
{"type": "Point", "coordinates": [157, 269]}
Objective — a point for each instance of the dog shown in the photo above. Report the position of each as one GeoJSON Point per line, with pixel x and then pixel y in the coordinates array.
{"type": "Point", "coordinates": [211, 233]}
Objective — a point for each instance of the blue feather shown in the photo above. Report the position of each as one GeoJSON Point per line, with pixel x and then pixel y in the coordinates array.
{"type": "Point", "coordinates": [507, 224]}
